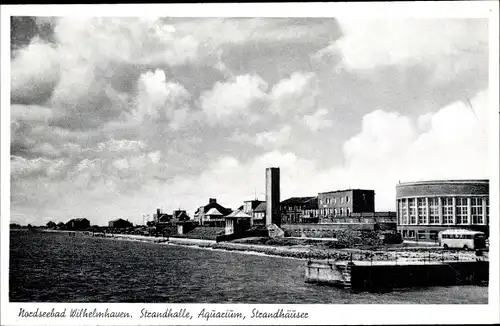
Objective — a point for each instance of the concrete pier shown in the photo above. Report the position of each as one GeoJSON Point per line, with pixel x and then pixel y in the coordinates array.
{"type": "Point", "coordinates": [367, 275]}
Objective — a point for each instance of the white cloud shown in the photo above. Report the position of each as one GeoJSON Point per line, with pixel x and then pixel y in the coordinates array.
{"type": "Point", "coordinates": [383, 135]}
{"type": "Point", "coordinates": [294, 94]}
{"type": "Point", "coordinates": [30, 113]}
{"type": "Point", "coordinates": [248, 98]}
{"type": "Point", "coordinates": [121, 164]}
{"type": "Point", "coordinates": [22, 167]}
{"type": "Point", "coordinates": [159, 97]}
{"type": "Point", "coordinates": [122, 145]}
{"type": "Point", "coordinates": [318, 120]}
{"type": "Point", "coordinates": [155, 156]}
{"type": "Point", "coordinates": [132, 40]}
{"type": "Point", "coordinates": [268, 140]}
{"type": "Point", "coordinates": [390, 148]}
{"type": "Point", "coordinates": [46, 149]}
{"type": "Point", "coordinates": [237, 97]}
{"type": "Point", "coordinates": [367, 44]}
{"type": "Point", "coordinates": [424, 121]}
{"type": "Point", "coordinates": [274, 138]}
{"type": "Point", "coordinates": [34, 71]}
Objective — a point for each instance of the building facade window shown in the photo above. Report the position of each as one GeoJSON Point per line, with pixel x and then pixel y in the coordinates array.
{"type": "Point", "coordinates": [413, 211]}
{"type": "Point", "coordinates": [422, 234]}
{"type": "Point", "coordinates": [422, 211]}
{"type": "Point", "coordinates": [405, 212]}
{"type": "Point", "coordinates": [476, 210]}
{"type": "Point", "coordinates": [461, 210]}
{"type": "Point", "coordinates": [487, 209]}
{"type": "Point", "coordinates": [447, 210]}
{"type": "Point", "coordinates": [400, 212]}
{"type": "Point", "coordinates": [433, 211]}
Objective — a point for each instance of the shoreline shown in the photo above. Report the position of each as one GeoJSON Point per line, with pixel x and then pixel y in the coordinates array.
{"type": "Point", "coordinates": [301, 252]}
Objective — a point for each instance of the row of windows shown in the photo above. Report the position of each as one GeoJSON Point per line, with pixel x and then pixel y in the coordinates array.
{"type": "Point", "coordinates": [334, 200]}
{"type": "Point", "coordinates": [292, 208]}
{"type": "Point", "coordinates": [458, 236]}
{"type": "Point", "coordinates": [427, 210]}
{"type": "Point", "coordinates": [420, 234]}
{"type": "Point", "coordinates": [342, 211]}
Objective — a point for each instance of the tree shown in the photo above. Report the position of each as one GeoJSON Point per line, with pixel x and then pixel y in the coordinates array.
{"type": "Point", "coordinates": [51, 225]}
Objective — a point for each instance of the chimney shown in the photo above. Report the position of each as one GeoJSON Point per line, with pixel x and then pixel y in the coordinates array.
{"type": "Point", "coordinates": [212, 201]}
{"type": "Point", "coordinates": [158, 212]}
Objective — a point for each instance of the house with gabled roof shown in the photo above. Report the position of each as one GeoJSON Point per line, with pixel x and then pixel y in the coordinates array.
{"type": "Point", "coordinates": [212, 214]}
{"type": "Point", "coordinates": [237, 222]}
{"type": "Point", "coordinates": [259, 214]}
{"type": "Point", "coordinates": [78, 224]}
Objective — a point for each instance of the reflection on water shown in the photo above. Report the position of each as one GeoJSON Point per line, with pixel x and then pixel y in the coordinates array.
{"type": "Point", "coordinates": [53, 267]}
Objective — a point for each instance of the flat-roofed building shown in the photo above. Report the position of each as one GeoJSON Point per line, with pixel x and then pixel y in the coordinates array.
{"type": "Point", "coordinates": [426, 207]}
{"type": "Point", "coordinates": [341, 203]}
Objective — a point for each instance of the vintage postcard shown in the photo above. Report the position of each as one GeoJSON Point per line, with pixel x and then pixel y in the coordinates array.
{"type": "Point", "coordinates": [219, 164]}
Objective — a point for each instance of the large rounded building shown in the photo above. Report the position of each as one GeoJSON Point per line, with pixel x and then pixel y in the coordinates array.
{"type": "Point", "coordinates": [426, 207]}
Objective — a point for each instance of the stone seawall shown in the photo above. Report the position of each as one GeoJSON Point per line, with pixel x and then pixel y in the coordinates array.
{"type": "Point", "coordinates": [382, 275]}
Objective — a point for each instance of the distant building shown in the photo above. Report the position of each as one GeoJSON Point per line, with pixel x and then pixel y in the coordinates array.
{"type": "Point", "coordinates": [259, 214]}
{"type": "Point", "coordinates": [249, 207]}
{"type": "Point", "coordinates": [300, 210]}
{"type": "Point", "coordinates": [212, 214]}
{"type": "Point", "coordinates": [342, 203]}
{"type": "Point", "coordinates": [120, 224]}
{"type": "Point", "coordinates": [161, 218]}
{"type": "Point", "coordinates": [78, 224]}
{"type": "Point", "coordinates": [180, 215]}
{"type": "Point", "coordinates": [237, 222]}
{"type": "Point", "coordinates": [185, 226]}
{"type": "Point", "coordinates": [424, 208]}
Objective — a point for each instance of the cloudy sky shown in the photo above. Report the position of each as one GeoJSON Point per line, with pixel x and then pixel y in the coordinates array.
{"type": "Point", "coordinates": [116, 117]}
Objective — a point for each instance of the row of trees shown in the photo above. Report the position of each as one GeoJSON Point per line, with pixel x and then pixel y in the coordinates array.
{"type": "Point", "coordinates": [52, 225]}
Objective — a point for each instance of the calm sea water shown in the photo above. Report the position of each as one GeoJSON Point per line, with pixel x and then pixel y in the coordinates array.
{"type": "Point", "coordinates": [54, 267]}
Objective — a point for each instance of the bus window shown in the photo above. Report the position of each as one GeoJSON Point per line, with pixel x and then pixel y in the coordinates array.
{"type": "Point", "coordinates": [433, 235]}
{"type": "Point", "coordinates": [421, 234]}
